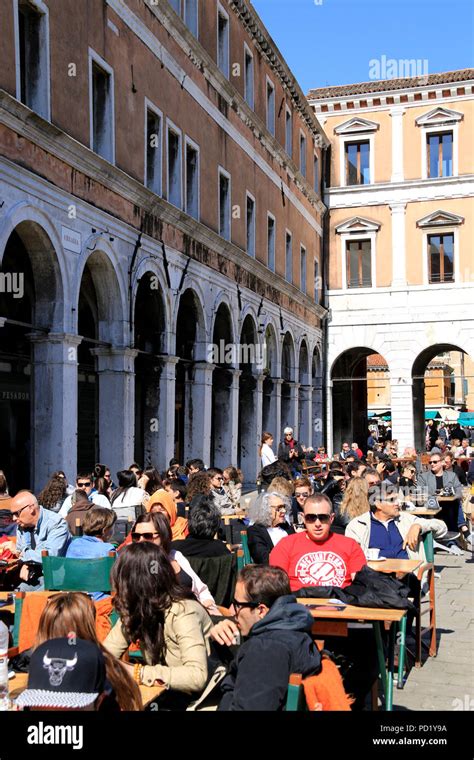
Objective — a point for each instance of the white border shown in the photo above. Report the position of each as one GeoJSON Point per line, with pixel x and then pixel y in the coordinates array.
{"type": "Point", "coordinates": [248, 52]}
{"type": "Point", "coordinates": [42, 8]}
{"type": "Point", "coordinates": [225, 173]}
{"type": "Point", "coordinates": [96, 58]}
{"type": "Point", "coordinates": [425, 131]}
{"type": "Point", "coordinates": [441, 231]}
{"type": "Point", "coordinates": [149, 106]}
{"type": "Point", "coordinates": [171, 127]}
{"type": "Point", "coordinates": [195, 146]}
{"type": "Point", "coordinates": [268, 81]}
{"type": "Point", "coordinates": [349, 237]}
{"type": "Point", "coordinates": [222, 12]}
{"type": "Point", "coordinates": [252, 198]}
{"type": "Point", "coordinates": [355, 138]}
{"type": "Point", "coordinates": [290, 234]}
{"type": "Point", "coordinates": [269, 214]}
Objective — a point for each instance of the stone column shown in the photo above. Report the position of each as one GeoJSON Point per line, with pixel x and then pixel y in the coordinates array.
{"type": "Point", "coordinates": [54, 406]}
{"type": "Point", "coordinates": [165, 440]}
{"type": "Point", "coordinates": [201, 411]}
{"type": "Point", "coordinates": [329, 419]}
{"type": "Point", "coordinates": [305, 428]}
{"type": "Point", "coordinates": [401, 389]}
{"type": "Point", "coordinates": [294, 400]}
{"type": "Point", "coordinates": [116, 372]}
{"type": "Point", "coordinates": [275, 413]}
{"type": "Point", "coordinates": [399, 274]}
{"type": "Point", "coordinates": [397, 144]}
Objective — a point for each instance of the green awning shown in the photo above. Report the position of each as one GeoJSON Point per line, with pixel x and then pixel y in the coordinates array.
{"type": "Point", "coordinates": [467, 420]}
{"type": "Point", "coordinates": [432, 414]}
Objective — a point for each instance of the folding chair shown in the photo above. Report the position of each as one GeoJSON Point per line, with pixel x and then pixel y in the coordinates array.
{"type": "Point", "coordinates": [71, 574]}
{"type": "Point", "coordinates": [245, 547]}
{"type": "Point", "coordinates": [430, 597]}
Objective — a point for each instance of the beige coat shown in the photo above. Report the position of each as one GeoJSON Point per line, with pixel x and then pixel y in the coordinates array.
{"type": "Point", "coordinates": [187, 627]}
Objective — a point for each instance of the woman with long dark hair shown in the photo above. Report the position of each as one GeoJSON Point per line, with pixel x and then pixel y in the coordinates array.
{"type": "Point", "coordinates": [155, 610]}
{"type": "Point", "coordinates": [73, 613]}
{"type": "Point", "coordinates": [54, 493]}
{"type": "Point", "coordinates": [127, 496]}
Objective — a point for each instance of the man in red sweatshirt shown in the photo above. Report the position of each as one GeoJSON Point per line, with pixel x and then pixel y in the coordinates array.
{"type": "Point", "coordinates": [316, 556]}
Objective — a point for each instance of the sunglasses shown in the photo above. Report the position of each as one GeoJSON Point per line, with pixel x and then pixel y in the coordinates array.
{"type": "Point", "coordinates": [311, 517]}
{"type": "Point", "coordinates": [300, 495]}
{"type": "Point", "coordinates": [239, 605]}
{"type": "Point", "coordinates": [85, 484]}
{"type": "Point", "coordinates": [146, 536]}
{"type": "Point", "coordinates": [19, 511]}
{"type": "Point", "coordinates": [435, 461]}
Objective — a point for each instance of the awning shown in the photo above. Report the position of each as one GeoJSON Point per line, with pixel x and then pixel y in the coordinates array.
{"type": "Point", "coordinates": [466, 421]}
{"type": "Point", "coordinates": [465, 416]}
{"type": "Point", "coordinates": [432, 414]}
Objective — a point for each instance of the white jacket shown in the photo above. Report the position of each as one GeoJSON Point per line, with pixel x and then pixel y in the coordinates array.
{"type": "Point", "coordinates": [359, 530]}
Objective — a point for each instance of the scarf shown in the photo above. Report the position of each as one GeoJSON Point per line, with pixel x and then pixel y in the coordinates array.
{"type": "Point", "coordinates": [179, 525]}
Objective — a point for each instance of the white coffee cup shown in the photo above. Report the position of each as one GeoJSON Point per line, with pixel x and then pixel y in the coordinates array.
{"type": "Point", "coordinates": [372, 554]}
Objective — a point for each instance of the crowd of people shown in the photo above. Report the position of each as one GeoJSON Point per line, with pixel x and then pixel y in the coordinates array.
{"type": "Point", "coordinates": [311, 526]}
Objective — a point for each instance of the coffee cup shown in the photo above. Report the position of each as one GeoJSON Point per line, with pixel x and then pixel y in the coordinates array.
{"type": "Point", "coordinates": [372, 554]}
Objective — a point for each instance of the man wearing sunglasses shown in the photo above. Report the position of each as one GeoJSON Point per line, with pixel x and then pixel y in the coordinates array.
{"type": "Point", "coordinates": [439, 479]}
{"type": "Point", "coordinates": [85, 482]}
{"type": "Point", "coordinates": [277, 643]}
{"type": "Point", "coordinates": [38, 530]}
{"type": "Point", "coordinates": [317, 556]}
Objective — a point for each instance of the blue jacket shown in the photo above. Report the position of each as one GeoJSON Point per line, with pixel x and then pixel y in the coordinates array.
{"type": "Point", "coordinates": [51, 534]}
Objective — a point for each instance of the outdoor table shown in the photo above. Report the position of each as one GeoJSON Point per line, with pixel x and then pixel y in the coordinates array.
{"type": "Point", "coordinates": [7, 607]}
{"type": "Point", "coordinates": [423, 512]}
{"type": "Point", "coordinates": [400, 568]}
{"type": "Point", "coordinates": [20, 682]}
{"type": "Point", "coordinates": [330, 621]}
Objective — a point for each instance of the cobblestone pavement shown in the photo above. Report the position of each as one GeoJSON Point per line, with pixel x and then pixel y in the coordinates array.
{"type": "Point", "coordinates": [446, 682]}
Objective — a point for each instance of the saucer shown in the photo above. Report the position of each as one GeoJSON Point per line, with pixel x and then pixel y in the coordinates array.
{"type": "Point", "coordinates": [379, 559]}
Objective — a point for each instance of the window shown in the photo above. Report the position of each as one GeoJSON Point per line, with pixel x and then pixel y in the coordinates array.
{"type": "Point", "coordinates": [270, 107]}
{"type": "Point", "coordinates": [303, 268]}
{"type": "Point", "coordinates": [302, 154]}
{"type": "Point", "coordinates": [271, 242]}
{"type": "Point", "coordinates": [316, 174]}
{"type": "Point", "coordinates": [174, 187]}
{"type": "Point", "coordinates": [32, 26]}
{"type": "Point", "coordinates": [191, 15]}
{"type": "Point", "coordinates": [224, 204]}
{"type": "Point", "coordinates": [288, 132]}
{"type": "Point", "coordinates": [358, 264]}
{"type": "Point", "coordinates": [102, 108]}
{"type": "Point", "coordinates": [250, 225]}
{"type": "Point", "coordinates": [441, 258]}
{"type": "Point", "coordinates": [192, 179]}
{"type": "Point", "coordinates": [316, 281]}
{"type": "Point", "coordinates": [357, 158]}
{"type": "Point", "coordinates": [223, 41]}
{"type": "Point", "coordinates": [249, 77]}
{"type": "Point", "coordinates": [289, 257]}
{"type": "Point", "coordinates": [153, 150]}
{"type": "Point", "coordinates": [440, 154]}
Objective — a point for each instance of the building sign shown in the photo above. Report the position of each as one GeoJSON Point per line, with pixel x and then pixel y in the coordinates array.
{"type": "Point", "coordinates": [14, 396]}
{"type": "Point", "coordinates": [71, 240]}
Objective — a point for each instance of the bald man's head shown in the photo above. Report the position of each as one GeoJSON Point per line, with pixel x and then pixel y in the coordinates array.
{"type": "Point", "coordinates": [25, 509]}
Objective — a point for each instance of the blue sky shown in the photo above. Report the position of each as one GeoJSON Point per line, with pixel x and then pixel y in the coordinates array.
{"type": "Point", "coordinates": [333, 42]}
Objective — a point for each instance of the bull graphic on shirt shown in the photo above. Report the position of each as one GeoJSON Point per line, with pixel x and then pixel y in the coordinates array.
{"type": "Point", "coordinates": [57, 667]}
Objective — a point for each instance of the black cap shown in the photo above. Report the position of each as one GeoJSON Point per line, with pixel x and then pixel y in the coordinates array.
{"type": "Point", "coordinates": [66, 672]}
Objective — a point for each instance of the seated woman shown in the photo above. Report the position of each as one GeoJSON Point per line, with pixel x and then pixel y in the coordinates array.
{"type": "Point", "coordinates": [73, 613]}
{"type": "Point", "coordinates": [269, 515]}
{"type": "Point", "coordinates": [127, 496]}
{"type": "Point", "coordinates": [154, 527]}
{"type": "Point", "coordinates": [97, 530]}
{"type": "Point", "coordinates": [163, 501]}
{"type": "Point", "coordinates": [204, 522]}
{"type": "Point", "coordinates": [171, 626]}
{"type": "Point", "coordinates": [233, 479]}
{"type": "Point", "coordinates": [355, 502]}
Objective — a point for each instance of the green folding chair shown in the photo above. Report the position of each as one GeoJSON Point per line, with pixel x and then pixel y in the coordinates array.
{"type": "Point", "coordinates": [295, 697]}
{"type": "Point", "coordinates": [71, 574]}
{"type": "Point", "coordinates": [245, 547]}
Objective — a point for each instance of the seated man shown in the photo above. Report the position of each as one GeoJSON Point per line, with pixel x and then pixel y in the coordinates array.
{"type": "Point", "coordinates": [38, 530]}
{"type": "Point", "coordinates": [386, 527]}
{"type": "Point", "coordinates": [318, 557]}
{"type": "Point", "coordinates": [85, 482]}
{"type": "Point", "coordinates": [439, 478]}
{"type": "Point", "coordinates": [65, 674]}
{"type": "Point", "coordinates": [278, 643]}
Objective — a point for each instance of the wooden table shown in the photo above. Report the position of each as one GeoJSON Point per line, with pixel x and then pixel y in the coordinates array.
{"type": "Point", "coordinates": [20, 682]}
{"type": "Point", "coordinates": [399, 567]}
{"type": "Point", "coordinates": [7, 607]}
{"type": "Point", "coordinates": [423, 511]}
{"type": "Point", "coordinates": [333, 621]}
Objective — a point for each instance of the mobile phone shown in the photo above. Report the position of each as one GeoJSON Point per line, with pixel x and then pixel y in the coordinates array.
{"type": "Point", "coordinates": [325, 607]}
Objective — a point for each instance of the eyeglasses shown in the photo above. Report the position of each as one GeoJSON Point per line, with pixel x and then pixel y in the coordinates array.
{"type": "Point", "coordinates": [218, 477]}
{"type": "Point", "coordinates": [435, 461]}
{"type": "Point", "coordinates": [85, 484]}
{"type": "Point", "coordinates": [19, 511]}
{"type": "Point", "coordinates": [311, 517]}
{"type": "Point", "coordinates": [300, 495]}
{"type": "Point", "coordinates": [239, 605]}
{"type": "Point", "coordinates": [146, 536]}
